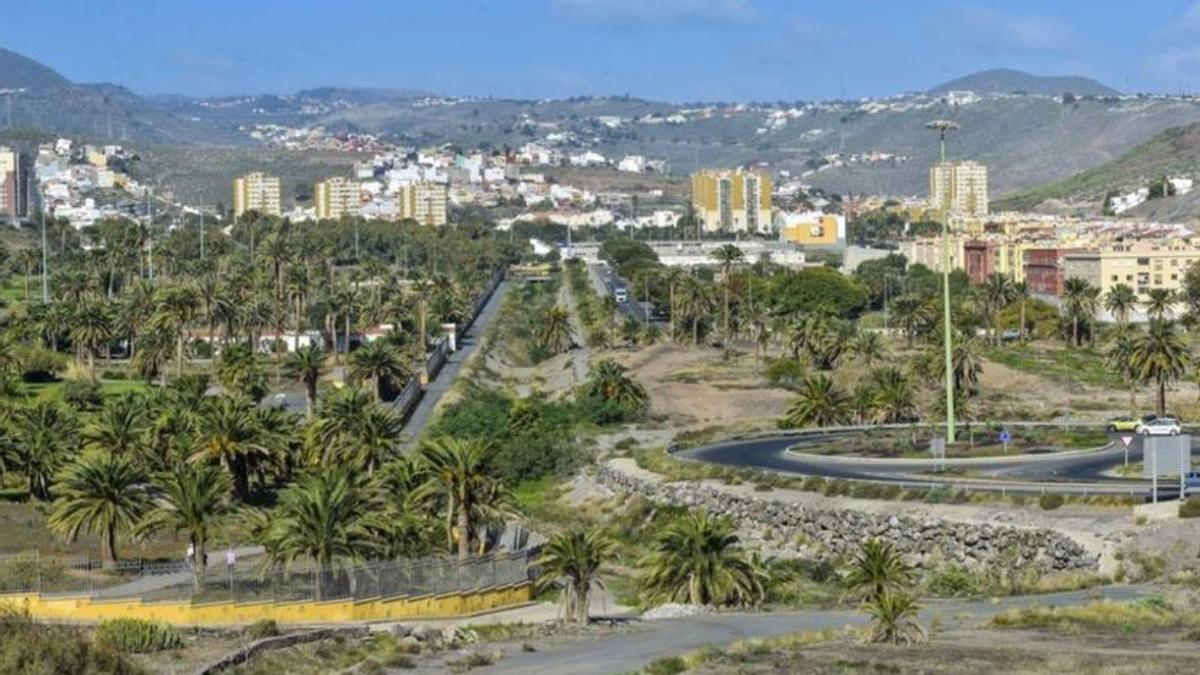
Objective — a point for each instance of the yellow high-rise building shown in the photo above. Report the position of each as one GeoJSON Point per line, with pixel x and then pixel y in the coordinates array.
{"type": "Point", "coordinates": [336, 197]}
{"type": "Point", "coordinates": [9, 187]}
{"type": "Point", "coordinates": [256, 192]}
{"type": "Point", "coordinates": [958, 188]}
{"type": "Point", "coordinates": [732, 201]}
{"type": "Point", "coordinates": [423, 202]}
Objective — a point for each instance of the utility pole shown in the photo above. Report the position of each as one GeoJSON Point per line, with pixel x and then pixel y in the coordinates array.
{"type": "Point", "coordinates": [200, 215]}
{"type": "Point", "coordinates": [942, 126]}
{"type": "Point", "coordinates": [45, 257]}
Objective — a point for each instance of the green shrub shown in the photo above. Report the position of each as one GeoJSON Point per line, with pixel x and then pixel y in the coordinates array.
{"type": "Point", "coordinates": [39, 364]}
{"type": "Point", "coordinates": [670, 665]}
{"type": "Point", "coordinates": [1051, 501]}
{"type": "Point", "coordinates": [399, 661]}
{"type": "Point", "coordinates": [953, 581]}
{"type": "Point", "coordinates": [370, 667]}
{"type": "Point", "coordinates": [1190, 508]}
{"type": "Point", "coordinates": [28, 647]}
{"type": "Point", "coordinates": [263, 628]}
{"type": "Point", "coordinates": [785, 372]}
{"type": "Point", "coordinates": [82, 394]}
{"type": "Point", "coordinates": [137, 636]}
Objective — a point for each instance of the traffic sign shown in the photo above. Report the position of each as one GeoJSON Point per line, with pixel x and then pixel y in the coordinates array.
{"type": "Point", "coordinates": [937, 446]}
{"type": "Point", "coordinates": [1166, 456]}
{"type": "Point", "coordinates": [1005, 437]}
{"type": "Point", "coordinates": [1126, 440]}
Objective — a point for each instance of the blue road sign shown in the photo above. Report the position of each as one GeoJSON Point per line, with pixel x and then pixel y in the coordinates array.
{"type": "Point", "coordinates": [1005, 436]}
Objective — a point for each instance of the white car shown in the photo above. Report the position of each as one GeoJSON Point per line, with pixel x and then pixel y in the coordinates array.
{"type": "Point", "coordinates": [1163, 426]}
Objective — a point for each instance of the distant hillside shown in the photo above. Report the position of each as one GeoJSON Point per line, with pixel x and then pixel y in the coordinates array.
{"type": "Point", "coordinates": [38, 98]}
{"type": "Point", "coordinates": [1008, 81]}
{"type": "Point", "coordinates": [20, 72]}
{"type": "Point", "coordinates": [1175, 151]}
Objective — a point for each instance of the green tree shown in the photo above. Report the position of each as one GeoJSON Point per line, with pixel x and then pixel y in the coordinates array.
{"type": "Point", "coordinates": [607, 382]}
{"type": "Point", "coordinates": [101, 493]}
{"type": "Point", "coordinates": [877, 569]}
{"type": "Point", "coordinates": [819, 403]}
{"type": "Point", "coordinates": [575, 556]}
{"type": "Point", "coordinates": [91, 328]}
{"type": "Point", "coordinates": [378, 363]}
{"type": "Point", "coordinates": [554, 330]}
{"type": "Point", "coordinates": [191, 499]}
{"type": "Point", "coordinates": [727, 256]}
{"type": "Point", "coordinates": [1160, 303]}
{"type": "Point", "coordinates": [1160, 355]}
{"type": "Point", "coordinates": [306, 365]}
{"type": "Point", "coordinates": [457, 470]}
{"type": "Point", "coordinates": [1120, 302]}
{"type": "Point", "coordinates": [42, 434]}
{"type": "Point", "coordinates": [697, 558]}
{"type": "Point", "coordinates": [229, 433]}
{"type": "Point", "coordinates": [894, 619]}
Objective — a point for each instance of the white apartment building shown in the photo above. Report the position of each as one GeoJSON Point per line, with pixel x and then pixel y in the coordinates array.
{"type": "Point", "coordinates": [423, 202]}
{"type": "Point", "coordinates": [336, 197]}
{"type": "Point", "coordinates": [959, 188]}
{"type": "Point", "coordinates": [256, 192]}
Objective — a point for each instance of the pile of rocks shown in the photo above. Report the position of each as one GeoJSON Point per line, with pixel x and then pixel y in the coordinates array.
{"type": "Point", "coordinates": [842, 530]}
{"type": "Point", "coordinates": [674, 611]}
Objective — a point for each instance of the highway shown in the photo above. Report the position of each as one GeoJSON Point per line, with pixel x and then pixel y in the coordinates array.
{"type": "Point", "coordinates": [1069, 472]}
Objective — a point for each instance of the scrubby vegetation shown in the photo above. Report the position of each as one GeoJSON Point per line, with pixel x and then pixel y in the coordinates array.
{"type": "Point", "coordinates": [137, 636]}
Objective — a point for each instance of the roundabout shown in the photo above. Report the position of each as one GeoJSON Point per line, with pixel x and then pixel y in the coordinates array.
{"type": "Point", "coordinates": [1080, 472]}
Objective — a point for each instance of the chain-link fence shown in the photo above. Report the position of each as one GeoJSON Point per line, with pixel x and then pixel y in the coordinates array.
{"type": "Point", "coordinates": [260, 581]}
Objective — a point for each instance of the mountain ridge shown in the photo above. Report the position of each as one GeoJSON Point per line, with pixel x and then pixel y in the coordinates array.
{"type": "Point", "coordinates": [1009, 81]}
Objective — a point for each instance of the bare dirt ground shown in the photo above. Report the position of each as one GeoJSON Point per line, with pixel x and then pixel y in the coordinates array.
{"type": "Point", "coordinates": [694, 386]}
{"type": "Point", "coordinates": [978, 651]}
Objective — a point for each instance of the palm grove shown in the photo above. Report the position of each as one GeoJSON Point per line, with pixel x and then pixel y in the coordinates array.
{"type": "Point", "coordinates": [192, 337]}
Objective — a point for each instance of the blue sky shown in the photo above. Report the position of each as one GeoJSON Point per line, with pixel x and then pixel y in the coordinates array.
{"type": "Point", "coordinates": [677, 50]}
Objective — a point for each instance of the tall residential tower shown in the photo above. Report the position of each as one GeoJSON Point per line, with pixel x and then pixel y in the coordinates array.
{"type": "Point", "coordinates": [733, 201]}
{"type": "Point", "coordinates": [256, 192]}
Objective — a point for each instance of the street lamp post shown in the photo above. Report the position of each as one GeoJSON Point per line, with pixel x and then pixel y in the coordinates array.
{"type": "Point", "coordinates": [942, 126]}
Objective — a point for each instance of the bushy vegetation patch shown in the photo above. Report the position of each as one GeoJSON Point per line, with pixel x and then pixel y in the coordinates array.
{"type": "Point", "coordinates": [137, 636]}
{"type": "Point", "coordinates": [28, 647]}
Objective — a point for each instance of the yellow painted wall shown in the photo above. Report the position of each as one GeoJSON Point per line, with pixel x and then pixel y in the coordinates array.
{"type": "Point", "coordinates": [822, 232]}
{"type": "Point", "coordinates": [83, 609]}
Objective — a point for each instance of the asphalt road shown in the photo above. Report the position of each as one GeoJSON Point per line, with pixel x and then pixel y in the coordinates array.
{"type": "Point", "coordinates": [1067, 472]}
{"type": "Point", "coordinates": [631, 651]}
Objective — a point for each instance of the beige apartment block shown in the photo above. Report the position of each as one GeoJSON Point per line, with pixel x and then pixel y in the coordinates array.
{"type": "Point", "coordinates": [256, 192]}
{"type": "Point", "coordinates": [1142, 266]}
{"type": "Point", "coordinates": [336, 197]}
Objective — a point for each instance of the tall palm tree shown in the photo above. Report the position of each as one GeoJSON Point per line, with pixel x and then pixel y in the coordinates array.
{"type": "Point", "coordinates": [42, 434]}
{"type": "Point", "coordinates": [229, 434]}
{"type": "Point", "coordinates": [324, 516]}
{"type": "Point", "coordinates": [697, 558]}
{"type": "Point", "coordinates": [1160, 303]}
{"type": "Point", "coordinates": [457, 469]}
{"type": "Point", "coordinates": [380, 364]}
{"type": "Point", "coordinates": [1020, 290]}
{"type": "Point", "coordinates": [672, 277]}
{"type": "Point", "coordinates": [819, 403]}
{"type": "Point", "coordinates": [554, 330]}
{"type": "Point", "coordinates": [176, 309]}
{"type": "Point", "coordinates": [306, 365]}
{"type": "Point", "coordinates": [240, 372]}
{"type": "Point", "coordinates": [101, 493]}
{"type": "Point", "coordinates": [190, 499]}
{"type": "Point", "coordinates": [1160, 355]}
{"type": "Point", "coordinates": [727, 256]}
{"type": "Point", "coordinates": [894, 400]}
{"type": "Point", "coordinates": [91, 328]}
{"type": "Point", "coordinates": [1080, 303]}
{"type": "Point", "coordinates": [695, 303]}
{"type": "Point", "coordinates": [377, 439]}
{"type": "Point", "coordinates": [869, 347]}
{"type": "Point", "coordinates": [997, 293]}
{"type": "Point", "coordinates": [1120, 359]}
{"type": "Point", "coordinates": [1120, 302]}
{"type": "Point", "coordinates": [120, 426]}
{"type": "Point", "coordinates": [576, 556]}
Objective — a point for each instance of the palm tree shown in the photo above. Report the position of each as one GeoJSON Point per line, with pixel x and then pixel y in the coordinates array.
{"type": "Point", "coordinates": [727, 256]}
{"type": "Point", "coordinates": [877, 569]}
{"type": "Point", "coordinates": [554, 330]}
{"type": "Point", "coordinates": [240, 372]}
{"type": "Point", "coordinates": [997, 293]}
{"type": "Point", "coordinates": [671, 276]}
{"type": "Point", "coordinates": [1160, 355]}
{"type": "Point", "coordinates": [101, 493]}
{"type": "Point", "coordinates": [42, 433]}
{"type": "Point", "coordinates": [91, 328]}
{"type": "Point", "coordinates": [577, 556]}
{"type": "Point", "coordinates": [1160, 303]}
{"type": "Point", "coordinates": [324, 516]}
{"type": "Point", "coordinates": [1080, 301]}
{"type": "Point", "coordinates": [608, 382]}
{"type": "Point", "coordinates": [457, 468]}
{"type": "Point", "coordinates": [229, 433]}
{"type": "Point", "coordinates": [377, 438]}
{"type": "Point", "coordinates": [697, 558]}
{"type": "Point", "coordinates": [1120, 359]}
{"type": "Point", "coordinates": [306, 365]}
{"type": "Point", "coordinates": [1120, 301]}
{"type": "Point", "coordinates": [176, 309]}
{"type": "Point", "coordinates": [378, 363]}
{"type": "Point", "coordinates": [120, 426]}
{"type": "Point", "coordinates": [894, 619]}
{"type": "Point", "coordinates": [820, 403]}
{"type": "Point", "coordinates": [694, 303]}
{"type": "Point", "coordinates": [869, 347]}
{"type": "Point", "coordinates": [912, 313]}
{"type": "Point", "coordinates": [893, 397]}
{"type": "Point", "coordinates": [1020, 291]}
{"type": "Point", "coordinates": [190, 499]}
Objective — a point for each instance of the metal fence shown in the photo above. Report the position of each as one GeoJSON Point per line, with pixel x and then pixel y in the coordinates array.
{"type": "Point", "coordinates": [252, 581]}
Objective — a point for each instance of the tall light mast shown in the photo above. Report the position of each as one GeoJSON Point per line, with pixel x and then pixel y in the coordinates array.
{"type": "Point", "coordinates": [943, 126]}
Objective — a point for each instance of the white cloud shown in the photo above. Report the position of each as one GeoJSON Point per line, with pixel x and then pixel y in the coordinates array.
{"type": "Point", "coordinates": [995, 32]}
{"type": "Point", "coordinates": [640, 12]}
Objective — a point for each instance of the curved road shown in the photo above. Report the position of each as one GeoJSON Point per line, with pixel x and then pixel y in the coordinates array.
{"type": "Point", "coordinates": [1065, 472]}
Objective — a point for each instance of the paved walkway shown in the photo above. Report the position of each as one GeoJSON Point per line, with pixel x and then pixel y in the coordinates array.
{"type": "Point", "coordinates": [154, 582]}
{"type": "Point", "coordinates": [629, 652]}
{"type": "Point", "coordinates": [467, 342]}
